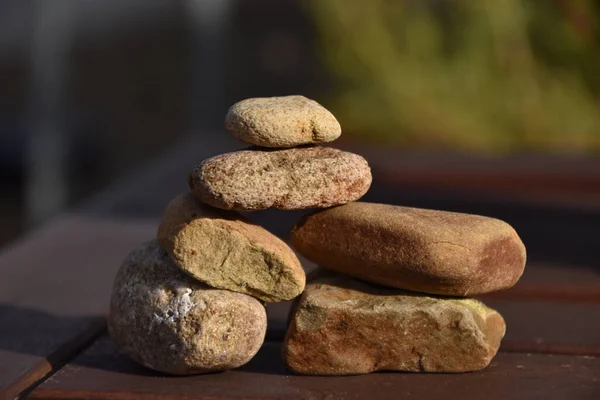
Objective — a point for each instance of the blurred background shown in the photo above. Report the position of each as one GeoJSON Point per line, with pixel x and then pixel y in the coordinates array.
{"type": "Point", "coordinates": [498, 98]}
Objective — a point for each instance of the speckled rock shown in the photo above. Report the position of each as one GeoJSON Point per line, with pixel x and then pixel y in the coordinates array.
{"type": "Point", "coordinates": [422, 250]}
{"type": "Point", "coordinates": [224, 250]}
{"type": "Point", "coordinates": [288, 179]}
{"type": "Point", "coordinates": [168, 322]}
{"type": "Point", "coordinates": [281, 122]}
{"type": "Point", "coordinates": [349, 327]}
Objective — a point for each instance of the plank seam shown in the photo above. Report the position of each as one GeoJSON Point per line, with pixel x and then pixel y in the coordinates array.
{"type": "Point", "coordinates": [24, 385]}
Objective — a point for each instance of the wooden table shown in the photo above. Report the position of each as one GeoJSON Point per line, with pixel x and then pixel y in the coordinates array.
{"type": "Point", "coordinates": [55, 284]}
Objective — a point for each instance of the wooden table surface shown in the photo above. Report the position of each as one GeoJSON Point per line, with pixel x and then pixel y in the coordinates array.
{"type": "Point", "coordinates": [55, 284]}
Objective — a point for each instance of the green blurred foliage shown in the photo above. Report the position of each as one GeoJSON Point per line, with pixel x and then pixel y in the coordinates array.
{"type": "Point", "coordinates": [482, 76]}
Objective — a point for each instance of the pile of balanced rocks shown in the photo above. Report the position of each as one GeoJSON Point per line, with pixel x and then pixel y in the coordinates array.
{"type": "Point", "coordinates": [391, 290]}
{"type": "Point", "coordinates": [344, 326]}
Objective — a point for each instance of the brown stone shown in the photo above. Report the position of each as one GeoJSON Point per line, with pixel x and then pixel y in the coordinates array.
{"type": "Point", "coordinates": [224, 250]}
{"type": "Point", "coordinates": [281, 122]}
{"type": "Point", "coordinates": [290, 179]}
{"type": "Point", "coordinates": [409, 248]}
{"type": "Point", "coordinates": [346, 327]}
{"type": "Point", "coordinates": [166, 321]}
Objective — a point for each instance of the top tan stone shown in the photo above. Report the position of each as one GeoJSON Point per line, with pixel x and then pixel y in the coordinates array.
{"type": "Point", "coordinates": [426, 251]}
{"type": "Point", "coordinates": [224, 250]}
{"type": "Point", "coordinates": [281, 122]}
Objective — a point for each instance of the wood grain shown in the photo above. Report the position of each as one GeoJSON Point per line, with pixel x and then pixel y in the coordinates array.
{"type": "Point", "coordinates": [557, 293]}
{"type": "Point", "coordinates": [101, 372]}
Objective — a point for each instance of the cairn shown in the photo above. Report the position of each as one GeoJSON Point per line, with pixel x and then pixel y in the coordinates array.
{"type": "Point", "coordinates": [390, 293]}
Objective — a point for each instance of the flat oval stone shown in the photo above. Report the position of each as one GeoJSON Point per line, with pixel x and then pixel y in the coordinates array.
{"type": "Point", "coordinates": [225, 251]}
{"type": "Point", "coordinates": [348, 328]}
{"type": "Point", "coordinates": [281, 122]}
{"type": "Point", "coordinates": [166, 321]}
{"type": "Point", "coordinates": [291, 179]}
{"type": "Point", "coordinates": [409, 248]}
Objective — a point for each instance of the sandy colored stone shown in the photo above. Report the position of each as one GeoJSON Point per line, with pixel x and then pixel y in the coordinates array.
{"type": "Point", "coordinates": [224, 250]}
{"type": "Point", "coordinates": [168, 322]}
{"type": "Point", "coordinates": [346, 327]}
{"type": "Point", "coordinates": [409, 248]}
{"type": "Point", "coordinates": [290, 179]}
{"type": "Point", "coordinates": [281, 122]}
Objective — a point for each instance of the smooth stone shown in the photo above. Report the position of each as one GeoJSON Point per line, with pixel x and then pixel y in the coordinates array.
{"type": "Point", "coordinates": [281, 122]}
{"type": "Point", "coordinates": [426, 251]}
{"type": "Point", "coordinates": [290, 179]}
{"type": "Point", "coordinates": [346, 327]}
{"type": "Point", "coordinates": [225, 251]}
{"type": "Point", "coordinates": [166, 321]}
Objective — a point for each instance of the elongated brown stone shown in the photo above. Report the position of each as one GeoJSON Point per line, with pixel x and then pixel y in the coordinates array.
{"type": "Point", "coordinates": [409, 248]}
{"type": "Point", "coordinates": [346, 327]}
{"type": "Point", "coordinates": [224, 250]}
{"type": "Point", "coordinates": [167, 321]}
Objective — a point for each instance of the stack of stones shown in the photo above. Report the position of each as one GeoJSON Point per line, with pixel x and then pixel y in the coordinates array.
{"type": "Point", "coordinates": [393, 291]}
{"type": "Point", "coordinates": [390, 293]}
{"type": "Point", "coordinates": [192, 300]}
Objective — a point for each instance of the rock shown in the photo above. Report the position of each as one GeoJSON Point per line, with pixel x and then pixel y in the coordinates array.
{"type": "Point", "coordinates": [168, 322]}
{"type": "Point", "coordinates": [421, 250]}
{"type": "Point", "coordinates": [288, 179]}
{"type": "Point", "coordinates": [349, 327]}
{"type": "Point", "coordinates": [225, 251]}
{"type": "Point", "coordinates": [281, 122]}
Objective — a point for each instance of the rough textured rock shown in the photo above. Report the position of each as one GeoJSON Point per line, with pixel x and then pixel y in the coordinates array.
{"type": "Point", "coordinates": [281, 122]}
{"type": "Point", "coordinates": [422, 250]}
{"type": "Point", "coordinates": [349, 327]}
{"type": "Point", "coordinates": [168, 322]}
{"type": "Point", "coordinates": [224, 250]}
{"type": "Point", "coordinates": [288, 179]}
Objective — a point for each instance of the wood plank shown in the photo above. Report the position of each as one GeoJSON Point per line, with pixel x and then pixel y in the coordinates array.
{"type": "Point", "coordinates": [515, 346]}
{"type": "Point", "coordinates": [101, 372]}
{"type": "Point", "coordinates": [558, 181]}
{"type": "Point", "coordinates": [562, 293]}
{"type": "Point", "coordinates": [555, 274]}
{"type": "Point", "coordinates": [553, 327]}
{"type": "Point", "coordinates": [54, 290]}
{"type": "Point", "coordinates": [61, 347]}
